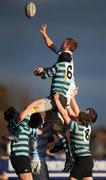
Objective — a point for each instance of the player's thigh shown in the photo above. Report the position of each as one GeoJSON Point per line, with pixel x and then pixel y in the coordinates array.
{"type": "Point", "coordinates": [88, 178]}
{"type": "Point", "coordinates": [40, 104]}
{"type": "Point", "coordinates": [85, 178]}
{"type": "Point", "coordinates": [43, 105]}
{"type": "Point", "coordinates": [25, 176]}
{"type": "Point", "coordinates": [72, 178]}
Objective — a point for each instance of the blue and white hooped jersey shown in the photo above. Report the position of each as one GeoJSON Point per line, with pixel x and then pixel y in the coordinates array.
{"type": "Point", "coordinates": [62, 74]}
{"type": "Point", "coordinates": [80, 139]}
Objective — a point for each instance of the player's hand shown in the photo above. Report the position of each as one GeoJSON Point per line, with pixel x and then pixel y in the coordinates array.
{"type": "Point", "coordinates": [43, 29]}
{"type": "Point", "coordinates": [56, 96]}
{"type": "Point", "coordinates": [75, 91]}
{"type": "Point", "coordinates": [22, 116]}
{"type": "Point", "coordinates": [39, 132]}
{"type": "Point", "coordinates": [38, 71]}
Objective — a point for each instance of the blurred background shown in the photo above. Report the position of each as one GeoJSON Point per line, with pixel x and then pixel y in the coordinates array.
{"type": "Point", "coordinates": [22, 48]}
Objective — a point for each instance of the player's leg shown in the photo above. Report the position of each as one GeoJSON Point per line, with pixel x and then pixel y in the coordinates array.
{"type": "Point", "coordinates": [52, 143]}
{"type": "Point", "coordinates": [66, 146]}
{"type": "Point", "coordinates": [65, 141]}
{"type": "Point", "coordinates": [62, 144]}
{"type": "Point", "coordinates": [40, 105]}
{"type": "Point", "coordinates": [25, 176]}
{"type": "Point", "coordinates": [85, 178]}
{"type": "Point", "coordinates": [35, 104]}
{"type": "Point", "coordinates": [60, 129]}
{"type": "Point", "coordinates": [72, 178]}
{"type": "Point", "coordinates": [88, 178]}
{"type": "Point", "coordinates": [61, 102]}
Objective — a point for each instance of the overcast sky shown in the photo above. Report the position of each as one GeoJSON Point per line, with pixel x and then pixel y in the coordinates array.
{"type": "Point", "coordinates": [22, 47]}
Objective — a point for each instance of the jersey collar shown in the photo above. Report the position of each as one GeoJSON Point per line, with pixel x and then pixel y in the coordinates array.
{"type": "Point", "coordinates": [69, 52]}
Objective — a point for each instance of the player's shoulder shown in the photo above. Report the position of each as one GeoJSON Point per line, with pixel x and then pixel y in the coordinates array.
{"type": "Point", "coordinates": [73, 125]}
{"type": "Point", "coordinates": [64, 57]}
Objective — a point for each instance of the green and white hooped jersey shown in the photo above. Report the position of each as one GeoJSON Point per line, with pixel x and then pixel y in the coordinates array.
{"type": "Point", "coordinates": [63, 81]}
{"type": "Point", "coordinates": [21, 147]}
{"type": "Point", "coordinates": [62, 74]}
{"type": "Point", "coordinates": [80, 138]}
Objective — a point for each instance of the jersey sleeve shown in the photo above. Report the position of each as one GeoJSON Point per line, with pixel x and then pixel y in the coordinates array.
{"type": "Point", "coordinates": [24, 123]}
{"type": "Point", "coordinates": [54, 48]}
{"type": "Point", "coordinates": [49, 72]}
{"type": "Point", "coordinates": [73, 126]}
{"type": "Point", "coordinates": [33, 132]}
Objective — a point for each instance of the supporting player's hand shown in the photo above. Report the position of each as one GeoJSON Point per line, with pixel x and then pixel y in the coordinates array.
{"type": "Point", "coordinates": [56, 96]}
{"type": "Point", "coordinates": [75, 91]}
{"type": "Point", "coordinates": [38, 71]}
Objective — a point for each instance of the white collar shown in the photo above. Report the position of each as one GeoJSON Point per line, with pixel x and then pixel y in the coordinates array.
{"type": "Point", "coordinates": [66, 51]}
{"type": "Point", "coordinates": [69, 52]}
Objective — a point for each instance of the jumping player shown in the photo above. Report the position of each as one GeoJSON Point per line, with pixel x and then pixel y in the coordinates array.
{"type": "Point", "coordinates": [62, 81]}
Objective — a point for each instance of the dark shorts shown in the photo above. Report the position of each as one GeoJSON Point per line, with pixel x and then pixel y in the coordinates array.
{"type": "Point", "coordinates": [82, 167]}
{"type": "Point", "coordinates": [21, 164]}
{"type": "Point", "coordinates": [62, 99]}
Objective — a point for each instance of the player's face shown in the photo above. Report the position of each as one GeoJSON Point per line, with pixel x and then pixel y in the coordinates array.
{"type": "Point", "coordinates": [64, 45]}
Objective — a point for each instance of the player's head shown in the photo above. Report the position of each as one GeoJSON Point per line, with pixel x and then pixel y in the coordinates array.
{"type": "Point", "coordinates": [88, 116]}
{"type": "Point", "coordinates": [69, 44]}
{"type": "Point", "coordinates": [11, 116]}
{"type": "Point", "coordinates": [11, 113]}
{"type": "Point", "coordinates": [36, 120]}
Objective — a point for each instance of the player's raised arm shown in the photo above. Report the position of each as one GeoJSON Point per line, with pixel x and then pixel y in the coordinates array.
{"type": "Point", "coordinates": [44, 73]}
{"type": "Point", "coordinates": [47, 39]}
{"type": "Point", "coordinates": [43, 31]}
